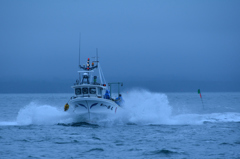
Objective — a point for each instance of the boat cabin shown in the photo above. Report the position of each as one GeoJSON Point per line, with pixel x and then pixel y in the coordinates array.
{"type": "Point", "coordinates": [88, 86]}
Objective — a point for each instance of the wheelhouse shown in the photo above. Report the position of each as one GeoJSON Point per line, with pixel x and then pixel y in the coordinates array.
{"type": "Point", "coordinates": [90, 83]}
{"type": "Point", "coordinates": [89, 90]}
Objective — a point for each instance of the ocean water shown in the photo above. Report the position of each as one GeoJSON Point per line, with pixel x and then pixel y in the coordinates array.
{"type": "Point", "coordinates": [151, 125]}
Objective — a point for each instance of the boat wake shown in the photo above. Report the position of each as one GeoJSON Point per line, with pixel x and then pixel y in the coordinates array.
{"type": "Point", "coordinates": [41, 115]}
{"type": "Point", "coordinates": [34, 114]}
{"type": "Point", "coordinates": [144, 107]}
{"type": "Point", "coordinates": [141, 108]}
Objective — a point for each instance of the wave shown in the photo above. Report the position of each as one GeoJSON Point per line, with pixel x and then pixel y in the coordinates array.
{"type": "Point", "coordinates": [144, 107]}
{"type": "Point", "coordinates": [164, 152]}
{"type": "Point", "coordinates": [42, 115]}
{"type": "Point", "coordinates": [193, 119]}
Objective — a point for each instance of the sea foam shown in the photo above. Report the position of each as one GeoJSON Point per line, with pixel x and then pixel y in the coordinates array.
{"type": "Point", "coordinates": [145, 107]}
{"type": "Point", "coordinates": [41, 115]}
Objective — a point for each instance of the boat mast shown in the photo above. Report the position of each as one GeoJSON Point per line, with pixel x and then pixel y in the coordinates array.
{"type": "Point", "coordinates": [97, 55]}
{"type": "Point", "coordinates": [79, 50]}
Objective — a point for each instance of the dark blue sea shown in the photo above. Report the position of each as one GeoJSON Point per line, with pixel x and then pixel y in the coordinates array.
{"type": "Point", "coordinates": [151, 125]}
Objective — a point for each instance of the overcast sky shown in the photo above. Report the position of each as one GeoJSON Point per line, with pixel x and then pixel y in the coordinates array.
{"type": "Point", "coordinates": [137, 41]}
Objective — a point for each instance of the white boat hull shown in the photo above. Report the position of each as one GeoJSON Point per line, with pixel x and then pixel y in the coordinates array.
{"type": "Point", "coordinates": [92, 107]}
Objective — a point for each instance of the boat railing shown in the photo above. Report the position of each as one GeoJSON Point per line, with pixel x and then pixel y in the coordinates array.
{"type": "Point", "coordinates": [117, 83]}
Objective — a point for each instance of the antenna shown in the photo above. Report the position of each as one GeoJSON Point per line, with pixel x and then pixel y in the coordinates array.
{"type": "Point", "coordinates": [79, 49]}
{"type": "Point", "coordinates": [97, 55]}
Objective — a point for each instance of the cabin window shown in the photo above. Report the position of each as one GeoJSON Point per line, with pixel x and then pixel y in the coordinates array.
{"type": "Point", "coordinates": [85, 90]}
{"type": "Point", "coordinates": [77, 91]}
{"type": "Point", "coordinates": [92, 90]}
{"type": "Point", "coordinates": [99, 91]}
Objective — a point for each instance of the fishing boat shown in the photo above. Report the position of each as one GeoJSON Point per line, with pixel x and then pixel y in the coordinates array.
{"type": "Point", "coordinates": [92, 96]}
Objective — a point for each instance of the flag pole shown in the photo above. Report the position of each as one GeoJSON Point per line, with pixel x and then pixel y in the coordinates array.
{"type": "Point", "coordinates": [199, 92]}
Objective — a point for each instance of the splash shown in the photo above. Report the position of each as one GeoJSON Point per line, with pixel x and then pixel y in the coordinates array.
{"type": "Point", "coordinates": [144, 107]}
{"type": "Point", "coordinates": [41, 115]}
